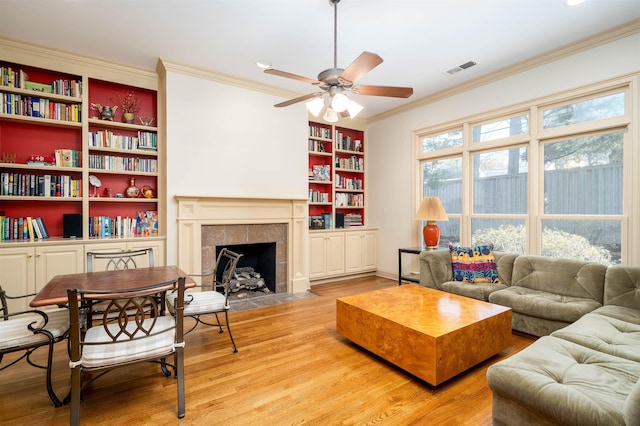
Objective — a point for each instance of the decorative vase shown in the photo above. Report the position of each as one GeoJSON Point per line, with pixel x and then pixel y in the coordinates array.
{"type": "Point", "coordinates": [132, 191]}
{"type": "Point", "coordinates": [128, 117]}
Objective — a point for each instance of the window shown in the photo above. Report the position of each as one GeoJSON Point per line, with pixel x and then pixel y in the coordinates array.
{"type": "Point", "coordinates": [579, 112]}
{"type": "Point", "coordinates": [502, 128]}
{"type": "Point", "coordinates": [500, 181]}
{"type": "Point", "coordinates": [443, 179]}
{"type": "Point", "coordinates": [534, 190]}
{"type": "Point", "coordinates": [445, 140]}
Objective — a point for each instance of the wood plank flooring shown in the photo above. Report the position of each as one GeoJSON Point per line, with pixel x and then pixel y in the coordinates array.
{"type": "Point", "coordinates": [292, 368]}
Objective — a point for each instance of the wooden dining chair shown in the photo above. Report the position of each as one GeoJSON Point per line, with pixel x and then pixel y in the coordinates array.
{"type": "Point", "coordinates": [138, 333]}
{"type": "Point", "coordinates": [26, 331]}
{"type": "Point", "coordinates": [116, 260]}
{"type": "Point", "coordinates": [213, 299]}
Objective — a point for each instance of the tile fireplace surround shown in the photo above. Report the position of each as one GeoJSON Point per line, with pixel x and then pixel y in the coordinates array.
{"type": "Point", "coordinates": [195, 212]}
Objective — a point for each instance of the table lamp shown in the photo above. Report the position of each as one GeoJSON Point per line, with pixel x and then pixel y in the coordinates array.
{"type": "Point", "coordinates": [431, 210]}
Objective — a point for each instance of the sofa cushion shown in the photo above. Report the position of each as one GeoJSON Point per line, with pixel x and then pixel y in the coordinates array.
{"type": "Point", "coordinates": [542, 304]}
{"type": "Point", "coordinates": [631, 407]}
{"type": "Point", "coordinates": [480, 291]}
{"type": "Point", "coordinates": [622, 286]}
{"type": "Point", "coordinates": [565, 382]}
{"type": "Point", "coordinates": [623, 314]}
{"type": "Point", "coordinates": [604, 334]}
{"type": "Point", "coordinates": [475, 264]}
{"type": "Point", "coordinates": [565, 277]}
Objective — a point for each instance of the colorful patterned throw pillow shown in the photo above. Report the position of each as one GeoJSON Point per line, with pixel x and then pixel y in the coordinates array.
{"type": "Point", "coordinates": [474, 264]}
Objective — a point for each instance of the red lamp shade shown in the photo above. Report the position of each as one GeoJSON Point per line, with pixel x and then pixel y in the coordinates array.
{"type": "Point", "coordinates": [430, 210]}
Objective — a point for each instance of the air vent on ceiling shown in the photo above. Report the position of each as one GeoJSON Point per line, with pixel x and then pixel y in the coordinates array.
{"type": "Point", "coordinates": [459, 68]}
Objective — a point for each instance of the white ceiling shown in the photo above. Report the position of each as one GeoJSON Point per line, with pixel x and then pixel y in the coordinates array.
{"type": "Point", "coordinates": [418, 39]}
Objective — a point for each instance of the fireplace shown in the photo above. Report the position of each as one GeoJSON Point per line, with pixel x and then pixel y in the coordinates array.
{"type": "Point", "coordinates": [263, 246]}
{"type": "Point", "coordinates": [204, 223]}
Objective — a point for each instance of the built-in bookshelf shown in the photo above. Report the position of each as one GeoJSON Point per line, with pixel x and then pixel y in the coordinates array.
{"type": "Point", "coordinates": [336, 176]}
{"type": "Point", "coordinates": [59, 156]}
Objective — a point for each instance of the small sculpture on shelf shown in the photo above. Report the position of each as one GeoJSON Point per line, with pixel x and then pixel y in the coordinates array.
{"type": "Point", "coordinates": [8, 158]}
{"type": "Point", "coordinates": [130, 106]}
{"type": "Point", "coordinates": [106, 112]}
{"type": "Point", "coordinates": [146, 121]}
{"type": "Point", "coordinates": [132, 191]}
{"type": "Point", "coordinates": [147, 192]}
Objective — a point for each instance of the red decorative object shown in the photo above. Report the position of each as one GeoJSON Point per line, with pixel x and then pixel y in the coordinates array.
{"type": "Point", "coordinates": [431, 234]}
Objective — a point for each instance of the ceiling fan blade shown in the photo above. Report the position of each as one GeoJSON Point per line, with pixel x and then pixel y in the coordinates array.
{"type": "Point", "coordinates": [362, 65]}
{"type": "Point", "coordinates": [292, 76]}
{"type": "Point", "coordinates": [299, 99]}
{"type": "Point", "coordinates": [389, 91]}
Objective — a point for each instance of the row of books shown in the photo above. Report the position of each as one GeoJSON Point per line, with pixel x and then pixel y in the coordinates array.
{"type": "Point", "coordinates": [320, 132]}
{"type": "Point", "coordinates": [60, 158]}
{"type": "Point", "coordinates": [348, 183]}
{"type": "Point", "coordinates": [22, 228]}
{"type": "Point", "coordinates": [351, 163]}
{"type": "Point", "coordinates": [318, 197]}
{"type": "Point", "coordinates": [344, 199]}
{"type": "Point", "coordinates": [108, 139]}
{"type": "Point", "coordinates": [144, 224]}
{"type": "Point", "coordinates": [347, 143]}
{"type": "Point", "coordinates": [11, 77]}
{"type": "Point", "coordinates": [321, 221]}
{"type": "Point", "coordinates": [317, 146]}
{"type": "Point", "coordinates": [30, 185]}
{"type": "Point", "coordinates": [11, 103]}
{"type": "Point", "coordinates": [352, 219]}
{"type": "Point", "coordinates": [110, 162]}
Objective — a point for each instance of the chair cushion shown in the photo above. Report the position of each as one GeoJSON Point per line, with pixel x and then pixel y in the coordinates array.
{"type": "Point", "coordinates": [15, 334]}
{"type": "Point", "coordinates": [203, 302]}
{"type": "Point", "coordinates": [474, 264]}
{"type": "Point", "coordinates": [162, 342]}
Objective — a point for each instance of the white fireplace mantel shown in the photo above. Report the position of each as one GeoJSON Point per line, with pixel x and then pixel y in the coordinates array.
{"type": "Point", "coordinates": [196, 211]}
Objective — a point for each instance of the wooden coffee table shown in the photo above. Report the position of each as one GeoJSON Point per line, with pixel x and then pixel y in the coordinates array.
{"type": "Point", "coordinates": [432, 334]}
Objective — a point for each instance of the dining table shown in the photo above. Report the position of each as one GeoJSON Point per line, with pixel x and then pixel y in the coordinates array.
{"type": "Point", "coordinates": [55, 291]}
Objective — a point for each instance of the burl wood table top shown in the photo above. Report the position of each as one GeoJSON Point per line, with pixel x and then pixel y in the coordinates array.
{"type": "Point", "coordinates": [431, 312]}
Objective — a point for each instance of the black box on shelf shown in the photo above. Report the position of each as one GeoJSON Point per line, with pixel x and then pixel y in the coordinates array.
{"type": "Point", "coordinates": [72, 225]}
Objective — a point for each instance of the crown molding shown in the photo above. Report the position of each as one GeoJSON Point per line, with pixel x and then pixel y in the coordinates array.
{"type": "Point", "coordinates": [71, 63]}
{"type": "Point", "coordinates": [608, 36]}
{"type": "Point", "coordinates": [165, 65]}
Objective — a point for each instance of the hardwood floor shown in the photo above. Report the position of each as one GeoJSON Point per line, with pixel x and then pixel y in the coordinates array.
{"type": "Point", "coordinates": [292, 368]}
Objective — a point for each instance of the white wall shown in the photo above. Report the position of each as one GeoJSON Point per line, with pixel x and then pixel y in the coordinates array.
{"type": "Point", "coordinates": [391, 205]}
{"type": "Point", "coordinates": [224, 140]}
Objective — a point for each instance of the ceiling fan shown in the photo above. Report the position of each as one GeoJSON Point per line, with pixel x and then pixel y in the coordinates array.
{"type": "Point", "coordinates": [337, 81]}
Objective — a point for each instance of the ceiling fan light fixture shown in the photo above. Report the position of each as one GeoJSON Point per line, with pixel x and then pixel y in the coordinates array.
{"type": "Point", "coordinates": [315, 105]}
{"type": "Point", "coordinates": [354, 109]}
{"type": "Point", "coordinates": [330, 116]}
{"type": "Point", "coordinates": [340, 102]}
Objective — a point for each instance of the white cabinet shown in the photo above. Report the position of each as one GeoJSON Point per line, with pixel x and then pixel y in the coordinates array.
{"type": "Point", "coordinates": [26, 269]}
{"type": "Point", "coordinates": [341, 252]}
{"type": "Point", "coordinates": [361, 248]}
{"type": "Point", "coordinates": [326, 251]}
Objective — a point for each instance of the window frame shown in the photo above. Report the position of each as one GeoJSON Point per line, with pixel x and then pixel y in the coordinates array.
{"type": "Point", "coordinates": [536, 137]}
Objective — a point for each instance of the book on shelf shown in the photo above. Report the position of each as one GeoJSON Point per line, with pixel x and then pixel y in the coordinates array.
{"type": "Point", "coordinates": [43, 228]}
{"type": "Point", "coordinates": [322, 173]}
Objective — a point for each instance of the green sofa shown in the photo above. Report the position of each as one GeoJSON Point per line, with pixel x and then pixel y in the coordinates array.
{"type": "Point", "coordinates": [585, 367]}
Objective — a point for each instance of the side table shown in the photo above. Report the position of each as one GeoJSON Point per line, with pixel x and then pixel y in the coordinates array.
{"type": "Point", "coordinates": [414, 278]}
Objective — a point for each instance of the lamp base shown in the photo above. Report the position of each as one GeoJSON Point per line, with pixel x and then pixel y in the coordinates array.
{"type": "Point", "coordinates": [431, 234]}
